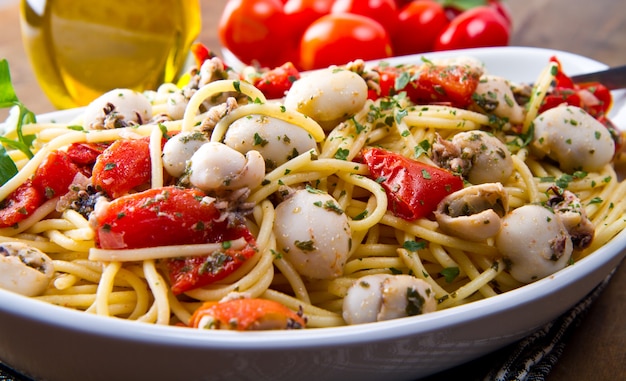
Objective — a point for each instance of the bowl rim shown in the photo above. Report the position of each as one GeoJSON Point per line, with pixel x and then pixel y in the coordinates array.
{"type": "Point", "coordinates": [75, 320]}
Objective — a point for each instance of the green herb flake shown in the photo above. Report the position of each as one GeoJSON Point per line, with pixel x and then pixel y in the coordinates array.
{"type": "Point", "coordinates": [415, 302]}
{"type": "Point", "coordinates": [305, 245]}
{"type": "Point", "coordinates": [259, 140]}
{"type": "Point", "coordinates": [450, 273]}
{"type": "Point", "coordinates": [413, 246]}
{"type": "Point", "coordinates": [342, 154]}
{"type": "Point", "coordinates": [361, 215]}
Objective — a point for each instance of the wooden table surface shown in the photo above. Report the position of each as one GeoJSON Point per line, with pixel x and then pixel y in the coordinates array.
{"type": "Point", "coordinates": [597, 29]}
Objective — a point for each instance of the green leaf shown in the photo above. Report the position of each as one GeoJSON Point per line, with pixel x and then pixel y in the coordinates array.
{"type": "Point", "coordinates": [8, 169]}
{"type": "Point", "coordinates": [8, 98]}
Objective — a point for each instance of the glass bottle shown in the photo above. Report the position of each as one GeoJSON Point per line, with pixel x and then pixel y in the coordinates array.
{"type": "Point", "coordinates": [80, 49]}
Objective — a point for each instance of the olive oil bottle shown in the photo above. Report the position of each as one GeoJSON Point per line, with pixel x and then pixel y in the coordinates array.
{"type": "Point", "coordinates": [80, 49]}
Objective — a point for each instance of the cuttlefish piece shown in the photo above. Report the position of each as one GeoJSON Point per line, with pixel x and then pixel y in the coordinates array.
{"type": "Point", "coordinates": [473, 213]}
{"type": "Point", "coordinates": [24, 269]}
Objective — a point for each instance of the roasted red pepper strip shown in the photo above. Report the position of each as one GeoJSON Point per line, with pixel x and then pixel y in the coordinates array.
{"type": "Point", "coordinates": [174, 216]}
{"type": "Point", "coordinates": [414, 189]}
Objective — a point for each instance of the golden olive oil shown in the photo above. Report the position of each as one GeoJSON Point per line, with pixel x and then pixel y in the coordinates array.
{"type": "Point", "coordinates": [80, 49]}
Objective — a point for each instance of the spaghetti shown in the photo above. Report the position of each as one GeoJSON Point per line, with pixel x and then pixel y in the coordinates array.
{"type": "Point", "coordinates": [132, 283]}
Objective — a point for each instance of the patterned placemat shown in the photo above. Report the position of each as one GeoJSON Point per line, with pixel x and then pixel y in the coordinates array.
{"type": "Point", "coordinates": [531, 358]}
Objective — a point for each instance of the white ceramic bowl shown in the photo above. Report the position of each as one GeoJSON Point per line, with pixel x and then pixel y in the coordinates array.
{"type": "Point", "coordinates": [58, 344]}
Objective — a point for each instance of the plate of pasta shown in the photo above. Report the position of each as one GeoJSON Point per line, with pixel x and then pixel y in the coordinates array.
{"type": "Point", "coordinates": [377, 220]}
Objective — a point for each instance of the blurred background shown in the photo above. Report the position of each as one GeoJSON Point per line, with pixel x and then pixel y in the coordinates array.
{"type": "Point", "coordinates": [596, 29]}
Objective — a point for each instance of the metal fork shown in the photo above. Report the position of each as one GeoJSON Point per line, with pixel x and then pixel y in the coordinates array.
{"type": "Point", "coordinates": [613, 78]}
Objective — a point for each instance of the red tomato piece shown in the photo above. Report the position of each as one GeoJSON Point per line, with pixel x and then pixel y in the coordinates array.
{"type": "Point", "coordinates": [445, 84]}
{"type": "Point", "coordinates": [123, 166]}
{"type": "Point", "coordinates": [383, 11]}
{"type": "Point", "coordinates": [419, 25]}
{"type": "Point", "coordinates": [477, 27]}
{"type": "Point", "coordinates": [559, 96]}
{"type": "Point", "coordinates": [414, 189]}
{"type": "Point", "coordinates": [85, 153]}
{"type": "Point", "coordinates": [55, 174]}
{"type": "Point", "coordinates": [200, 53]}
{"type": "Point", "coordinates": [174, 216]}
{"type": "Point", "coordinates": [276, 82]}
{"type": "Point", "coordinates": [193, 272]}
{"type": "Point", "coordinates": [561, 79]}
{"type": "Point", "coordinates": [156, 217]}
{"type": "Point", "coordinates": [336, 39]}
{"type": "Point", "coordinates": [601, 99]}
{"type": "Point", "coordinates": [593, 97]}
{"type": "Point", "coordinates": [428, 84]}
{"type": "Point", "coordinates": [20, 204]}
{"type": "Point", "coordinates": [387, 82]}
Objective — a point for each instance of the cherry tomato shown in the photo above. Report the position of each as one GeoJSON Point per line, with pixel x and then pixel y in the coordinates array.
{"type": "Point", "coordinates": [255, 30]}
{"type": "Point", "coordinates": [302, 13]}
{"type": "Point", "coordinates": [55, 174]}
{"type": "Point", "coordinates": [20, 204]}
{"type": "Point", "coordinates": [419, 25]}
{"type": "Point", "coordinates": [414, 189]}
{"type": "Point", "coordinates": [124, 165]}
{"type": "Point", "coordinates": [276, 82]}
{"type": "Point", "coordinates": [339, 38]}
{"type": "Point", "coordinates": [402, 3]}
{"type": "Point", "coordinates": [452, 12]}
{"type": "Point", "coordinates": [503, 10]}
{"type": "Point", "coordinates": [383, 11]}
{"type": "Point", "coordinates": [477, 27]}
